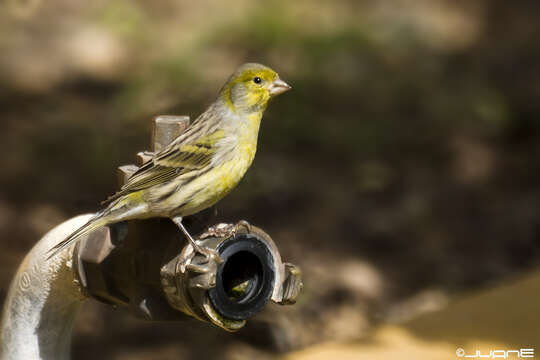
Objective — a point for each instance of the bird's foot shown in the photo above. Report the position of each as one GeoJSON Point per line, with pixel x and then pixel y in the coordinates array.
{"type": "Point", "coordinates": [224, 230]}
{"type": "Point", "coordinates": [210, 255]}
{"type": "Point", "coordinates": [203, 267]}
{"type": "Point", "coordinates": [207, 264]}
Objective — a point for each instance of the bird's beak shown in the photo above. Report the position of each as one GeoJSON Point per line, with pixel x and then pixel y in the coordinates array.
{"type": "Point", "coordinates": [278, 86]}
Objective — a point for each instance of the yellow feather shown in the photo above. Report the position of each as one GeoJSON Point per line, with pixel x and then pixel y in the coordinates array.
{"type": "Point", "coordinates": [203, 164]}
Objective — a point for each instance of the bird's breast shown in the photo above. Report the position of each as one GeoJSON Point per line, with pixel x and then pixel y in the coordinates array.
{"type": "Point", "coordinates": [234, 156]}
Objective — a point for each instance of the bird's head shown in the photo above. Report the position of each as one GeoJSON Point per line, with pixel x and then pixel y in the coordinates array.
{"type": "Point", "coordinates": [250, 88]}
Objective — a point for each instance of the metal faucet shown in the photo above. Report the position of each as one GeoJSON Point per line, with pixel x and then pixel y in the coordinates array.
{"type": "Point", "coordinates": [146, 267]}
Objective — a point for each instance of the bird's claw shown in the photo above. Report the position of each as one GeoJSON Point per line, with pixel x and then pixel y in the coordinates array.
{"type": "Point", "coordinates": [224, 230]}
{"type": "Point", "coordinates": [204, 268]}
{"type": "Point", "coordinates": [210, 255]}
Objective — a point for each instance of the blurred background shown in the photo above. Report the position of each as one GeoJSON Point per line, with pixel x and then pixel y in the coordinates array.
{"type": "Point", "coordinates": [401, 173]}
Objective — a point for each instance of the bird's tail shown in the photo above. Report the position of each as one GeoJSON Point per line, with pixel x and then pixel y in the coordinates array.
{"type": "Point", "coordinates": [124, 208]}
{"type": "Point", "coordinates": [94, 223]}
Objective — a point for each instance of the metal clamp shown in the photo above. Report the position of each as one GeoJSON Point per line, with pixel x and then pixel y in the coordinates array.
{"type": "Point", "coordinates": [141, 264]}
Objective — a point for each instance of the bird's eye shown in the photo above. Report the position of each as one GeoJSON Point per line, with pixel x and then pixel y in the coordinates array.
{"type": "Point", "coordinates": [257, 80]}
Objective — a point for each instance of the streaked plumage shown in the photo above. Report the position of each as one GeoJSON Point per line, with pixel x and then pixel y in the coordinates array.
{"type": "Point", "coordinates": [203, 164]}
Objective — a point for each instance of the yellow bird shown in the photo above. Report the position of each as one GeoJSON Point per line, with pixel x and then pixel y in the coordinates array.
{"type": "Point", "coordinates": [200, 166]}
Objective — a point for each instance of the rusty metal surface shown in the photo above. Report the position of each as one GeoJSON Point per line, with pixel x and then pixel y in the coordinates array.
{"type": "Point", "coordinates": [166, 128]}
{"type": "Point", "coordinates": [124, 172]}
{"type": "Point", "coordinates": [144, 265]}
{"type": "Point", "coordinates": [143, 157]}
{"type": "Point", "coordinates": [186, 280]}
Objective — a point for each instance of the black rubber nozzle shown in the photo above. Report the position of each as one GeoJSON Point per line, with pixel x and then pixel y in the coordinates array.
{"type": "Point", "coordinates": [245, 279]}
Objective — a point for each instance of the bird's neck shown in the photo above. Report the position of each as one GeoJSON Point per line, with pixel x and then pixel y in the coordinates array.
{"type": "Point", "coordinates": [248, 134]}
{"type": "Point", "coordinates": [244, 124]}
{"type": "Point", "coordinates": [249, 128]}
{"type": "Point", "coordinates": [243, 127]}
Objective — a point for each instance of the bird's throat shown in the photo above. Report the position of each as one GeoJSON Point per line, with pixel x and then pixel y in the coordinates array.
{"type": "Point", "coordinates": [248, 135]}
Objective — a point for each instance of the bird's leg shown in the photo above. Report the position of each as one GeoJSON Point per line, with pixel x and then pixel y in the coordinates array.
{"type": "Point", "coordinates": [178, 221]}
{"type": "Point", "coordinates": [209, 254]}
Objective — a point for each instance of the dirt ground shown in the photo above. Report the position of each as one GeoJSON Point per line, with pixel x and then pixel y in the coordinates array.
{"type": "Point", "coordinates": [504, 317]}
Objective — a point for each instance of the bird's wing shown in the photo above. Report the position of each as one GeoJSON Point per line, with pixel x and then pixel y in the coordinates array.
{"type": "Point", "coordinates": [190, 153]}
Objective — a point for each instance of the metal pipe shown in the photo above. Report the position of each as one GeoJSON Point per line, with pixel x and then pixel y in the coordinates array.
{"type": "Point", "coordinates": [145, 267]}
{"type": "Point", "coordinates": [43, 301]}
